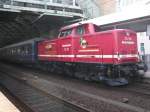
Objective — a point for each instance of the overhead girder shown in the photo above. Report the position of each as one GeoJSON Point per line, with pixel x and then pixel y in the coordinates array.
{"type": "Point", "coordinates": [23, 27]}
{"type": "Point", "coordinates": [22, 33]}
{"type": "Point", "coordinates": [11, 34]}
{"type": "Point", "coordinates": [9, 30]}
{"type": "Point", "coordinates": [30, 28]}
{"type": "Point", "coordinates": [3, 37]}
{"type": "Point", "coordinates": [16, 30]}
{"type": "Point", "coordinates": [5, 29]}
{"type": "Point", "coordinates": [6, 40]}
{"type": "Point", "coordinates": [2, 33]}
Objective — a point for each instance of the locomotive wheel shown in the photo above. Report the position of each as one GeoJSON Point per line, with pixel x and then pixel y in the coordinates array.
{"type": "Point", "coordinates": [83, 71]}
{"type": "Point", "coordinates": [68, 69]}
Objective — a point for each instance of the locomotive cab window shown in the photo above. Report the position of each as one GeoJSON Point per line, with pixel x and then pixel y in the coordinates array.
{"type": "Point", "coordinates": [68, 32]}
{"type": "Point", "coordinates": [80, 30]}
{"type": "Point", "coordinates": [65, 33]}
{"type": "Point", "coordinates": [97, 29]}
{"type": "Point", "coordinates": [61, 34]}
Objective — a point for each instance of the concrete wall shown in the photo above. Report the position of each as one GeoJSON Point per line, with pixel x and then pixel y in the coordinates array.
{"type": "Point", "coordinates": [96, 8]}
{"type": "Point", "coordinates": [128, 4]}
{"type": "Point", "coordinates": [90, 8]}
{"type": "Point", "coordinates": [107, 6]}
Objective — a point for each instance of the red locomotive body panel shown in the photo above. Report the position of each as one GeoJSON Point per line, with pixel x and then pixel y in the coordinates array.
{"type": "Point", "coordinates": [48, 49]}
{"type": "Point", "coordinates": [107, 47]}
{"type": "Point", "coordinates": [92, 48]}
{"type": "Point", "coordinates": [127, 46]}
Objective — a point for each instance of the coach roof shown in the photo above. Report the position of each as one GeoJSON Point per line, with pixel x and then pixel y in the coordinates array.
{"type": "Point", "coordinates": [22, 43]}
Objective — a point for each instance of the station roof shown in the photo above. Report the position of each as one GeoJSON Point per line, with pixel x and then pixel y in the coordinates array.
{"type": "Point", "coordinates": [135, 17]}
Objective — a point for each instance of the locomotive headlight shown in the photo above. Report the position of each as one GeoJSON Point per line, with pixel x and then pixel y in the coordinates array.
{"type": "Point", "coordinates": [48, 47]}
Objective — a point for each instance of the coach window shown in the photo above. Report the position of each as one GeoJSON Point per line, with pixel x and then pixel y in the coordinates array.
{"type": "Point", "coordinates": [14, 50]}
{"type": "Point", "coordinates": [18, 51]}
{"type": "Point", "coordinates": [80, 30]}
{"type": "Point", "coordinates": [30, 49]}
{"type": "Point", "coordinates": [23, 50]}
{"type": "Point", "coordinates": [27, 50]}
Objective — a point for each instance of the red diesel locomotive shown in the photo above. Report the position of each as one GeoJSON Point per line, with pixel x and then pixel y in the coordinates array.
{"type": "Point", "coordinates": [83, 51]}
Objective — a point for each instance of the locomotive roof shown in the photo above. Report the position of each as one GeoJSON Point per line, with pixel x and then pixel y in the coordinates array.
{"type": "Point", "coordinates": [73, 25]}
{"type": "Point", "coordinates": [79, 24]}
{"type": "Point", "coordinates": [24, 42]}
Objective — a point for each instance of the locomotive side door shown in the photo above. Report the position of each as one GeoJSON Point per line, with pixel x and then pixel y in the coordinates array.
{"type": "Point", "coordinates": [77, 38]}
{"type": "Point", "coordinates": [86, 47]}
{"type": "Point", "coordinates": [65, 46]}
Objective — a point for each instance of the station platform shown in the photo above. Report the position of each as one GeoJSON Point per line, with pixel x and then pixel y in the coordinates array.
{"type": "Point", "coordinates": [6, 105]}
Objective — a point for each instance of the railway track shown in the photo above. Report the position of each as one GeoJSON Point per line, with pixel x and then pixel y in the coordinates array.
{"type": "Point", "coordinates": [37, 100]}
{"type": "Point", "coordinates": [97, 97]}
{"type": "Point", "coordinates": [140, 88]}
